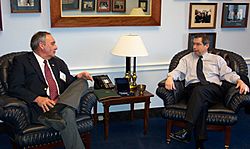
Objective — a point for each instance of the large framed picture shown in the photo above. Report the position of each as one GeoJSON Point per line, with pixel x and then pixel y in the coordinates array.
{"type": "Point", "coordinates": [70, 4]}
{"type": "Point", "coordinates": [103, 5]}
{"type": "Point", "coordinates": [118, 5]}
{"type": "Point", "coordinates": [1, 25]}
{"type": "Point", "coordinates": [143, 4]}
{"type": "Point", "coordinates": [88, 5]}
{"type": "Point", "coordinates": [25, 6]}
{"type": "Point", "coordinates": [212, 37]}
{"type": "Point", "coordinates": [202, 15]}
{"type": "Point", "coordinates": [234, 15]}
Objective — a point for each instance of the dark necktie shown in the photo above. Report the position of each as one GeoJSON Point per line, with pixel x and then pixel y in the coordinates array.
{"type": "Point", "coordinates": [199, 71]}
{"type": "Point", "coordinates": [51, 82]}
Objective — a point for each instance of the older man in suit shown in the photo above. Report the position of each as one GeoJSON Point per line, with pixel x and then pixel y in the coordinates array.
{"type": "Point", "coordinates": [45, 83]}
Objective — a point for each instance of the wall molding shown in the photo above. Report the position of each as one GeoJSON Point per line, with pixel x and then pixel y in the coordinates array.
{"type": "Point", "coordinates": [121, 68]}
{"type": "Point", "coordinates": [141, 67]}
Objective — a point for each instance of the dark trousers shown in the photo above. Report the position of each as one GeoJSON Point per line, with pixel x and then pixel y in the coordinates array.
{"type": "Point", "coordinates": [71, 97]}
{"type": "Point", "coordinates": [200, 98]}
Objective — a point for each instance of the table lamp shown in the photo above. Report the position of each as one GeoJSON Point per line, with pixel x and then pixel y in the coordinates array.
{"type": "Point", "coordinates": [130, 46]}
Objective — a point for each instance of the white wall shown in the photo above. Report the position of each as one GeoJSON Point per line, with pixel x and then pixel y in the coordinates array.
{"type": "Point", "coordinates": [90, 48]}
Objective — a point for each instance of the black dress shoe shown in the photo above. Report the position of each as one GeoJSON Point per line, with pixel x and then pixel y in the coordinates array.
{"type": "Point", "coordinates": [182, 136]}
{"type": "Point", "coordinates": [52, 118]}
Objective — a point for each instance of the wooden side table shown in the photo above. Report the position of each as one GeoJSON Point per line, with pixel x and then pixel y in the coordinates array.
{"type": "Point", "coordinates": [145, 98]}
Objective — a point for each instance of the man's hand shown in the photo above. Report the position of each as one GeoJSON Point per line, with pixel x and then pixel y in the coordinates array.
{"type": "Point", "coordinates": [85, 75]}
{"type": "Point", "coordinates": [242, 87]}
{"type": "Point", "coordinates": [45, 103]}
{"type": "Point", "coordinates": [169, 83]}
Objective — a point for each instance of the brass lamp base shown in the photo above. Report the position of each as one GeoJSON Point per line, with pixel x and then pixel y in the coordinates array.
{"type": "Point", "coordinates": [132, 80]}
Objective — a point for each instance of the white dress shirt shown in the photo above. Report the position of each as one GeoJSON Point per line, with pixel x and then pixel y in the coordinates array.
{"type": "Point", "coordinates": [215, 69]}
{"type": "Point", "coordinates": [41, 64]}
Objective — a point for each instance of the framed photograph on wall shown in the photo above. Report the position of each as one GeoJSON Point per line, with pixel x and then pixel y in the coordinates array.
{"type": "Point", "coordinates": [234, 15]}
{"type": "Point", "coordinates": [143, 4]}
{"type": "Point", "coordinates": [212, 37]}
{"type": "Point", "coordinates": [1, 25]}
{"type": "Point", "coordinates": [103, 5]}
{"type": "Point", "coordinates": [88, 5]}
{"type": "Point", "coordinates": [118, 5]}
{"type": "Point", "coordinates": [25, 6]}
{"type": "Point", "coordinates": [202, 15]}
{"type": "Point", "coordinates": [70, 4]}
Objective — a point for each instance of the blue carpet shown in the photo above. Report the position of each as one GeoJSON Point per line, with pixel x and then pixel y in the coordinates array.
{"type": "Point", "coordinates": [129, 135]}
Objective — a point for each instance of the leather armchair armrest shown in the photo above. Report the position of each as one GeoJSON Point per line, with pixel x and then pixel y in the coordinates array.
{"type": "Point", "coordinates": [87, 103]}
{"type": "Point", "coordinates": [162, 83]}
{"type": "Point", "coordinates": [170, 97]}
{"type": "Point", "coordinates": [234, 100]}
{"type": "Point", "coordinates": [14, 112]}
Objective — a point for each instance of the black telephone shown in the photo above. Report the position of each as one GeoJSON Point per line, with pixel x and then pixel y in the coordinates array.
{"type": "Point", "coordinates": [103, 82]}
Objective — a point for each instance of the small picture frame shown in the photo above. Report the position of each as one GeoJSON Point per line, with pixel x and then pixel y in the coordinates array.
{"type": "Point", "coordinates": [212, 37]}
{"type": "Point", "coordinates": [70, 4]}
{"type": "Point", "coordinates": [1, 24]}
{"type": "Point", "coordinates": [143, 4]}
{"type": "Point", "coordinates": [25, 6]}
{"type": "Point", "coordinates": [234, 15]}
{"type": "Point", "coordinates": [202, 15]}
{"type": "Point", "coordinates": [103, 5]}
{"type": "Point", "coordinates": [88, 5]}
{"type": "Point", "coordinates": [118, 5]}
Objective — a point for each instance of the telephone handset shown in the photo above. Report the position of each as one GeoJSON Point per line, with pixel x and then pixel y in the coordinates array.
{"type": "Point", "coordinates": [102, 82]}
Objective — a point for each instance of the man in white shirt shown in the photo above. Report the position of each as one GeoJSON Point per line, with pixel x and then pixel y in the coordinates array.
{"type": "Point", "coordinates": [202, 85]}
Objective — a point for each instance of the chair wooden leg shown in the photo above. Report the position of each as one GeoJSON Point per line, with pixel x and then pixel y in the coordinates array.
{"type": "Point", "coordinates": [169, 124]}
{"type": "Point", "coordinates": [86, 137]}
{"type": "Point", "coordinates": [227, 136]}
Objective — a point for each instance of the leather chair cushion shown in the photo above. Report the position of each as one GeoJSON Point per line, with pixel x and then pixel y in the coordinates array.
{"type": "Point", "coordinates": [40, 134]}
{"type": "Point", "coordinates": [217, 114]}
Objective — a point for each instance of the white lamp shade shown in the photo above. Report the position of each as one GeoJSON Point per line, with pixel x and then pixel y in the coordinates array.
{"type": "Point", "coordinates": [130, 46]}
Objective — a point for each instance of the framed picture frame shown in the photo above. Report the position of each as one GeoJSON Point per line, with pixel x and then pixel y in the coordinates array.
{"type": "Point", "coordinates": [202, 15]}
{"type": "Point", "coordinates": [212, 37]}
{"type": "Point", "coordinates": [88, 5]}
{"type": "Point", "coordinates": [118, 5]}
{"type": "Point", "coordinates": [25, 6]}
{"type": "Point", "coordinates": [103, 5]}
{"type": "Point", "coordinates": [1, 24]}
{"type": "Point", "coordinates": [143, 4]}
{"type": "Point", "coordinates": [70, 4]}
{"type": "Point", "coordinates": [234, 15]}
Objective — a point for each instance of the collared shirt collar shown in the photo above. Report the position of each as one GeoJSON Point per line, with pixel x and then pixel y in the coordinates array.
{"type": "Point", "coordinates": [39, 59]}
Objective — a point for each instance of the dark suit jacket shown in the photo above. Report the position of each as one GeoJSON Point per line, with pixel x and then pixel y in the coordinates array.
{"type": "Point", "coordinates": [26, 80]}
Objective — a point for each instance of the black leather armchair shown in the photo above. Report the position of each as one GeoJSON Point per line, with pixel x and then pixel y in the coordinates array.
{"type": "Point", "coordinates": [16, 116]}
{"type": "Point", "coordinates": [221, 116]}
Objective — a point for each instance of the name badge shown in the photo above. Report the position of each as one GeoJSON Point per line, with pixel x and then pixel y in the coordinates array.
{"type": "Point", "coordinates": [62, 76]}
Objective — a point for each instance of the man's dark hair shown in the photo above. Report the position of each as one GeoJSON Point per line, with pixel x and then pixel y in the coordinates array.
{"type": "Point", "coordinates": [204, 37]}
{"type": "Point", "coordinates": [37, 38]}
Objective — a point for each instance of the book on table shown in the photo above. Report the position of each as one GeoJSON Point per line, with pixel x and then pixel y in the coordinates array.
{"type": "Point", "coordinates": [103, 94]}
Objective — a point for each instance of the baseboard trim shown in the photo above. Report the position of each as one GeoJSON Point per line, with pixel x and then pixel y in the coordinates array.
{"type": "Point", "coordinates": [125, 115]}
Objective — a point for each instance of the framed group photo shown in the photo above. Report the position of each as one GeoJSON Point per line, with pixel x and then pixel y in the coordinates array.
{"type": "Point", "coordinates": [118, 5]}
{"type": "Point", "coordinates": [70, 4]}
{"type": "Point", "coordinates": [88, 5]}
{"type": "Point", "coordinates": [25, 6]}
{"type": "Point", "coordinates": [202, 15]}
{"type": "Point", "coordinates": [103, 5]}
{"type": "Point", "coordinates": [143, 4]}
{"type": "Point", "coordinates": [212, 37]}
{"type": "Point", "coordinates": [234, 15]}
{"type": "Point", "coordinates": [1, 25]}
